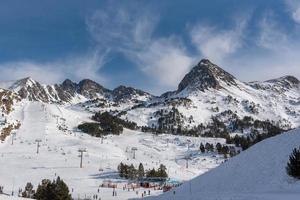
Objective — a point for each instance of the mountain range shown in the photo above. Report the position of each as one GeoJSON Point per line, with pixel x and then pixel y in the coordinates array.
{"type": "Point", "coordinates": [209, 103]}
{"type": "Point", "coordinates": [206, 92]}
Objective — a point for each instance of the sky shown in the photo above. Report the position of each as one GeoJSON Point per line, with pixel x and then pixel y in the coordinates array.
{"type": "Point", "coordinates": [147, 44]}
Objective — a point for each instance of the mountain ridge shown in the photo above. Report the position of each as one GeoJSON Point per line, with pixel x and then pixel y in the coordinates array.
{"type": "Point", "coordinates": [205, 93]}
{"type": "Point", "coordinates": [201, 77]}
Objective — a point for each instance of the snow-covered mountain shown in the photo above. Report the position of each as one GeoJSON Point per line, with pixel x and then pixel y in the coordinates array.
{"type": "Point", "coordinates": [208, 91]}
{"type": "Point", "coordinates": [205, 94]}
{"type": "Point", "coordinates": [208, 102]}
{"type": "Point", "coordinates": [258, 173]}
{"type": "Point", "coordinates": [69, 92]}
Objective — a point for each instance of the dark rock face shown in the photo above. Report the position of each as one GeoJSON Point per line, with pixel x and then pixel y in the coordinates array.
{"type": "Point", "coordinates": [123, 93]}
{"type": "Point", "coordinates": [286, 82]}
{"type": "Point", "coordinates": [69, 86]}
{"type": "Point", "coordinates": [64, 94]}
{"type": "Point", "coordinates": [278, 85]}
{"type": "Point", "coordinates": [91, 89]}
{"type": "Point", "coordinates": [205, 75]}
{"type": "Point", "coordinates": [31, 90]}
{"type": "Point", "coordinates": [292, 80]}
{"type": "Point", "coordinates": [58, 93]}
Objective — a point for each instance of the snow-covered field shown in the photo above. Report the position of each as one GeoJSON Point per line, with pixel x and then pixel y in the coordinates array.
{"type": "Point", "coordinates": [58, 154]}
{"type": "Point", "coordinates": [6, 197]}
{"type": "Point", "coordinates": [256, 174]}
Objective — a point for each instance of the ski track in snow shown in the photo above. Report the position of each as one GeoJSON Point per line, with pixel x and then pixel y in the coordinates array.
{"type": "Point", "coordinates": [58, 153]}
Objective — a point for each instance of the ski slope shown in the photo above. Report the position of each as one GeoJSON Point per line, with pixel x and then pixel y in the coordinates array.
{"type": "Point", "coordinates": [258, 173]}
{"type": "Point", "coordinates": [58, 154]}
{"type": "Point", "coordinates": [6, 197]}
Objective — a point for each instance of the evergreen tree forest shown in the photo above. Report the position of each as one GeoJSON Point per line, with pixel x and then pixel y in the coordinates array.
{"type": "Point", "coordinates": [132, 173]}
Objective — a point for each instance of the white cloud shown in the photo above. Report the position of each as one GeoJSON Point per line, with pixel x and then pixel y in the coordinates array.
{"type": "Point", "coordinates": [270, 52]}
{"type": "Point", "coordinates": [271, 35]}
{"type": "Point", "coordinates": [261, 67]}
{"type": "Point", "coordinates": [296, 15]}
{"type": "Point", "coordinates": [275, 54]}
{"type": "Point", "coordinates": [294, 9]}
{"type": "Point", "coordinates": [217, 44]}
{"type": "Point", "coordinates": [74, 67]}
{"type": "Point", "coordinates": [166, 60]}
{"type": "Point", "coordinates": [120, 27]}
{"type": "Point", "coordinates": [130, 32]}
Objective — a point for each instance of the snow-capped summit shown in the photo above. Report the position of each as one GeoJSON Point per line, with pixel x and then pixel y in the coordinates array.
{"type": "Point", "coordinates": [206, 75]}
{"type": "Point", "coordinates": [280, 85]}
{"type": "Point", "coordinates": [30, 89]}
{"type": "Point", "coordinates": [25, 82]}
{"type": "Point", "coordinates": [287, 79]}
{"type": "Point", "coordinates": [206, 89]}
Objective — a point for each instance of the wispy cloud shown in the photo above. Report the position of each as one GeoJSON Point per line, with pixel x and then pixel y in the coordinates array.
{"type": "Point", "coordinates": [275, 53]}
{"type": "Point", "coordinates": [121, 27]}
{"type": "Point", "coordinates": [271, 35]}
{"type": "Point", "coordinates": [74, 67]}
{"type": "Point", "coordinates": [165, 60]}
{"type": "Point", "coordinates": [130, 32]}
{"type": "Point", "coordinates": [215, 43]}
{"type": "Point", "coordinates": [267, 53]}
{"type": "Point", "coordinates": [294, 8]}
{"type": "Point", "coordinates": [259, 48]}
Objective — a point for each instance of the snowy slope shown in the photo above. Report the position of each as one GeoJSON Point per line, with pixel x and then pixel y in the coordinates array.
{"type": "Point", "coordinates": [208, 91]}
{"type": "Point", "coordinates": [5, 197]}
{"type": "Point", "coordinates": [51, 113]}
{"type": "Point", "coordinates": [56, 126]}
{"type": "Point", "coordinates": [258, 173]}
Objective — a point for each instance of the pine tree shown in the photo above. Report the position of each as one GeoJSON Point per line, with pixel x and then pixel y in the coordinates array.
{"type": "Point", "coordinates": [56, 190]}
{"type": "Point", "coordinates": [202, 148]}
{"type": "Point", "coordinates": [132, 172]}
{"type": "Point", "coordinates": [219, 147]}
{"type": "Point", "coordinates": [62, 190]}
{"type": "Point", "coordinates": [162, 171]}
{"type": "Point", "coordinates": [151, 173]}
{"type": "Point", "coordinates": [45, 190]}
{"type": "Point", "coordinates": [28, 191]}
{"type": "Point", "coordinates": [293, 166]}
{"type": "Point", "coordinates": [121, 169]}
{"type": "Point", "coordinates": [141, 171]}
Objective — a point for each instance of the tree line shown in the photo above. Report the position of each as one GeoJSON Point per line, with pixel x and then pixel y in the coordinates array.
{"type": "Point", "coordinates": [48, 190]}
{"type": "Point", "coordinates": [132, 173]}
{"type": "Point", "coordinates": [106, 123]}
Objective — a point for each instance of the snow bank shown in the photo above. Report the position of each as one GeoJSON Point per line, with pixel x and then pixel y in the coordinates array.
{"type": "Point", "coordinates": [258, 173]}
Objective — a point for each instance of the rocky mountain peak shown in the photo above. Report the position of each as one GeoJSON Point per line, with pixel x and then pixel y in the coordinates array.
{"type": "Point", "coordinates": [205, 75]}
{"type": "Point", "coordinates": [69, 86]}
{"type": "Point", "coordinates": [124, 93]}
{"type": "Point", "coordinates": [91, 89]}
{"type": "Point", "coordinates": [30, 89]}
{"type": "Point", "coordinates": [290, 80]}
{"type": "Point", "coordinates": [68, 82]}
{"type": "Point", "coordinates": [25, 82]}
{"type": "Point", "coordinates": [283, 83]}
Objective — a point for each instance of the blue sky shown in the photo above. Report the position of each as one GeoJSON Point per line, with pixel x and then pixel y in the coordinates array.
{"type": "Point", "coordinates": [147, 44]}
